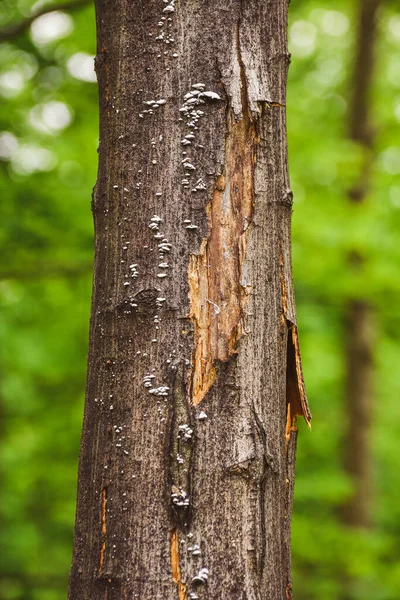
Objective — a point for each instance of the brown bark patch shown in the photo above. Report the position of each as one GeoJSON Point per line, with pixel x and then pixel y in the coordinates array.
{"type": "Point", "coordinates": [296, 398]}
{"type": "Point", "coordinates": [295, 390]}
{"type": "Point", "coordinates": [103, 527]}
{"type": "Point", "coordinates": [176, 569]}
{"type": "Point", "coordinates": [216, 295]}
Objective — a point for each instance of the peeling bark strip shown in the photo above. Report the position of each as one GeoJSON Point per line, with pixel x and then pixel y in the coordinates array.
{"type": "Point", "coordinates": [194, 366]}
{"type": "Point", "coordinates": [297, 403]}
{"type": "Point", "coordinates": [297, 399]}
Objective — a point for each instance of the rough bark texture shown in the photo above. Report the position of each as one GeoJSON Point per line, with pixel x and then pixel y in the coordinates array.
{"type": "Point", "coordinates": [194, 379]}
{"type": "Point", "coordinates": [359, 314]}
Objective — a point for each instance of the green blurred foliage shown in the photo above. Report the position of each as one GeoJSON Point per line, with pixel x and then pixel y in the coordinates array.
{"type": "Point", "coordinates": [327, 558]}
{"type": "Point", "coordinates": [48, 139]}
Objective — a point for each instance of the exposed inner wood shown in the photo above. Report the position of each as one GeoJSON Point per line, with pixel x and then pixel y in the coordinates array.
{"type": "Point", "coordinates": [283, 285]}
{"type": "Point", "coordinates": [103, 527]}
{"type": "Point", "coordinates": [176, 570]}
{"type": "Point", "coordinates": [216, 296]}
{"type": "Point", "coordinates": [289, 591]}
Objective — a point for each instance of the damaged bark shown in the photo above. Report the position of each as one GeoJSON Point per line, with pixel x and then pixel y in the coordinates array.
{"type": "Point", "coordinates": [217, 298]}
{"type": "Point", "coordinates": [194, 377]}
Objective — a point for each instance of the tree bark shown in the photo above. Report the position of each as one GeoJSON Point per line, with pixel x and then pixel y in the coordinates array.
{"type": "Point", "coordinates": [194, 376]}
{"type": "Point", "coordinates": [359, 312]}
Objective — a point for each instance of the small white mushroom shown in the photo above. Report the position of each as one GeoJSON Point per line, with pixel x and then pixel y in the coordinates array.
{"type": "Point", "coordinates": [210, 95]}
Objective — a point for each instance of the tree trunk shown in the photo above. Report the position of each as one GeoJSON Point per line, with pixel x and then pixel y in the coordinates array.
{"type": "Point", "coordinates": [359, 313]}
{"type": "Point", "coordinates": [194, 379]}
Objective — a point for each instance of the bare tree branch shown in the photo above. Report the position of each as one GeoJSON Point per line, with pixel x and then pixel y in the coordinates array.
{"type": "Point", "coordinates": [16, 29]}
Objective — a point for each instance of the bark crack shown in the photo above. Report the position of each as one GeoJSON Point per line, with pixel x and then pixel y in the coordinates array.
{"type": "Point", "coordinates": [103, 528]}
{"type": "Point", "coordinates": [180, 454]}
{"type": "Point", "coordinates": [268, 462]}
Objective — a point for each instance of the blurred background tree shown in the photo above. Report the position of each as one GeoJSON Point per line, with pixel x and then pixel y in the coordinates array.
{"type": "Point", "coordinates": [48, 140]}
